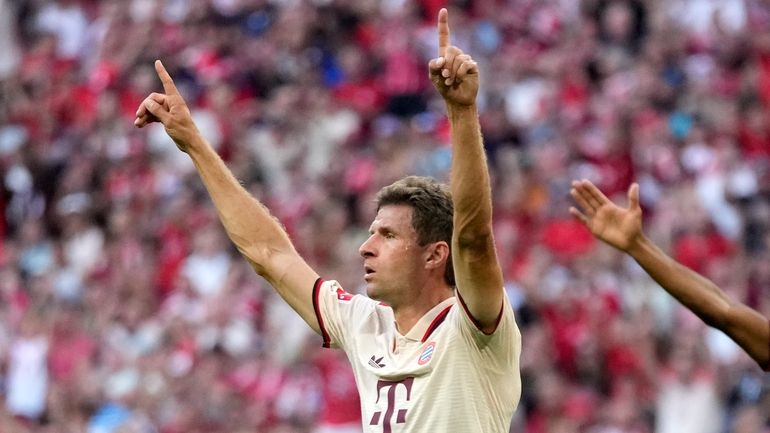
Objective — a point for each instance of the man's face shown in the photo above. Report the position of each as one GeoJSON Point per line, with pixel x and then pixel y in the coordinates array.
{"type": "Point", "coordinates": [392, 257]}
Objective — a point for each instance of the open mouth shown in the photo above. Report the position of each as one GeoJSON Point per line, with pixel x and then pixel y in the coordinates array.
{"type": "Point", "coordinates": [368, 271]}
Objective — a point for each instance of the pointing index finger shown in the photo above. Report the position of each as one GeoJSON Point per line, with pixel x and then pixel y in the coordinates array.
{"type": "Point", "coordinates": [443, 31]}
{"type": "Point", "coordinates": [168, 84]}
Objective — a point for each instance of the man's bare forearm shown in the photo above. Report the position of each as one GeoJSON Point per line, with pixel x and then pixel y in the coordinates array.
{"type": "Point", "coordinates": [248, 223]}
{"type": "Point", "coordinates": [697, 293]}
{"type": "Point", "coordinates": [745, 326]}
{"type": "Point", "coordinates": [259, 237]}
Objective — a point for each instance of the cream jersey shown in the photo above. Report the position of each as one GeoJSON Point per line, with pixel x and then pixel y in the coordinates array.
{"type": "Point", "coordinates": [444, 375]}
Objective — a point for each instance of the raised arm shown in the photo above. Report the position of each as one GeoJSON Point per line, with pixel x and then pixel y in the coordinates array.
{"type": "Point", "coordinates": [259, 237]}
{"type": "Point", "coordinates": [622, 229]}
{"type": "Point", "coordinates": [477, 272]}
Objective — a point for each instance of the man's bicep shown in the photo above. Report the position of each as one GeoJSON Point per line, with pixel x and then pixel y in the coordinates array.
{"type": "Point", "coordinates": [479, 283]}
{"type": "Point", "coordinates": [294, 279]}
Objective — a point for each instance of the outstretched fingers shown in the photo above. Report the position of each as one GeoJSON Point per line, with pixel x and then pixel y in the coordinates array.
{"type": "Point", "coordinates": [595, 195]}
{"type": "Point", "coordinates": [579, 215]}
{"type": "Point", "coordinates": [581, 200]}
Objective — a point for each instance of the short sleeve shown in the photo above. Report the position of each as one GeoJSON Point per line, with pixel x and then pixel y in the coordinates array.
{"type": "Point", "coordinates": [337, 311]}
{"type": "Point", "coordinates": [504, 344]}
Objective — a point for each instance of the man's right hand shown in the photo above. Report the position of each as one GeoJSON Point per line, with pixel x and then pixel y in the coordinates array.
{"type": "Point", "coordinates": [454, 73]}
{"type": "Point", "coordinates": [170, 109]}
{"type": "Point", "coordinates": [617, 226]}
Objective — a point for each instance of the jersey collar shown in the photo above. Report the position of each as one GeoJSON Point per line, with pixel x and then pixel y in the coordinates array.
{"type": "Point", "coordinates": [430, 321]}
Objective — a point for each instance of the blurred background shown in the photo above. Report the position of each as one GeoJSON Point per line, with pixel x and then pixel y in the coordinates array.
{"type": "Point", "coordinates": [125, 309]}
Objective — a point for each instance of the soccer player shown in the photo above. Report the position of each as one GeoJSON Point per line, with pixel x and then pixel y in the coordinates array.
{"type": "Point", "coordinates": [622, 228]}
{"type": "Point", "coordinates": [435, 347]}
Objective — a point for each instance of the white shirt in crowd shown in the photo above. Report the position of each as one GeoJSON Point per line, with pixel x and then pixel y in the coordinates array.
{"type": "Point", "coordinates": [28, 377]}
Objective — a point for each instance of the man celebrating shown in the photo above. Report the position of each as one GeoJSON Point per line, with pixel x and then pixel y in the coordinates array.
{"type": "Point", "coordinates": [435, 347]}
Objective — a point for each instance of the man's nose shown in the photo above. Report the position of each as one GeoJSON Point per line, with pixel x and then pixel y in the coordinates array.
{"type": "Point", "coordinates": [367, 248]}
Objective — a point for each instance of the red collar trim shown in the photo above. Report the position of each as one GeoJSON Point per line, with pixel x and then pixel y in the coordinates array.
{"type": "Point", "coordinates": [434, 324]}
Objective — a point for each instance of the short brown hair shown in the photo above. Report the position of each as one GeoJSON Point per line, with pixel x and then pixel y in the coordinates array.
{"type": "Point", "coordinates": [432, 210]}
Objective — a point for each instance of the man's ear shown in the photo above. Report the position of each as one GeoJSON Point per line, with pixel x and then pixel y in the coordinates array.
{"type": "Point", "coordinates": [436, 254]}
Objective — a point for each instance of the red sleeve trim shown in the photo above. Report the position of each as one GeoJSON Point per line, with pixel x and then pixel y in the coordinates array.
{"type": "Point", "coordinates": [475, 321]}
{"type": "Point", "coordinates": [316, 307]}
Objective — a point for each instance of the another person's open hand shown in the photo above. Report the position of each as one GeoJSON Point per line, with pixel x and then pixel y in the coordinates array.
{"type": "Point", "coordinates": [617, 226]}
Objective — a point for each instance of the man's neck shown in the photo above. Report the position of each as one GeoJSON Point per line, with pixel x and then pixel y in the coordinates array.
{"type": "Point", "coordinates": [408, 315]}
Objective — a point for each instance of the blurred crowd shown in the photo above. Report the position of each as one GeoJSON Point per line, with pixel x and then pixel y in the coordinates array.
{"type": "Point", "coordinates": [125, 309]}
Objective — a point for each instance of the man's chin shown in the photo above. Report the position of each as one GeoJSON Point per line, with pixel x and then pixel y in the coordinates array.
{"type": "Point", "coordinates": [373, 292]}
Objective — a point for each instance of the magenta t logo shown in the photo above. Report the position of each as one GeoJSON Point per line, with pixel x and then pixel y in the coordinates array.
{"type": "Point", "coordinates": [391, 408]}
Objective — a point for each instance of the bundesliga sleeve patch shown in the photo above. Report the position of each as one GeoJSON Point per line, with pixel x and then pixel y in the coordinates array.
{"type": "Point", "coordinates": [343, 296]}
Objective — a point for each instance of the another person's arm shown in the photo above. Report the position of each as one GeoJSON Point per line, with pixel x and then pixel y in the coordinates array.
{"type": "Point", "coordinates": [477, 272]}
{"type": "Point", "coordinates": [257, 235]}
{"type": "Point", "coordinates": [622, 229]}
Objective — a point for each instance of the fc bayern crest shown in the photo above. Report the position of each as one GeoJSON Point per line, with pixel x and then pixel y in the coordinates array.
{"type": "Point", "coordinates": [427, 353]}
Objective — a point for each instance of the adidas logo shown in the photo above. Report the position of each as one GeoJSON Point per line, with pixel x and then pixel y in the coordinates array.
{"type": "Point", "coordinates": [376, 363]}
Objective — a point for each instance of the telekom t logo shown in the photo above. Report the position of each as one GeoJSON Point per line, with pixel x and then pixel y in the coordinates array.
{"type": "Point", "coordinates": [401, 415]}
